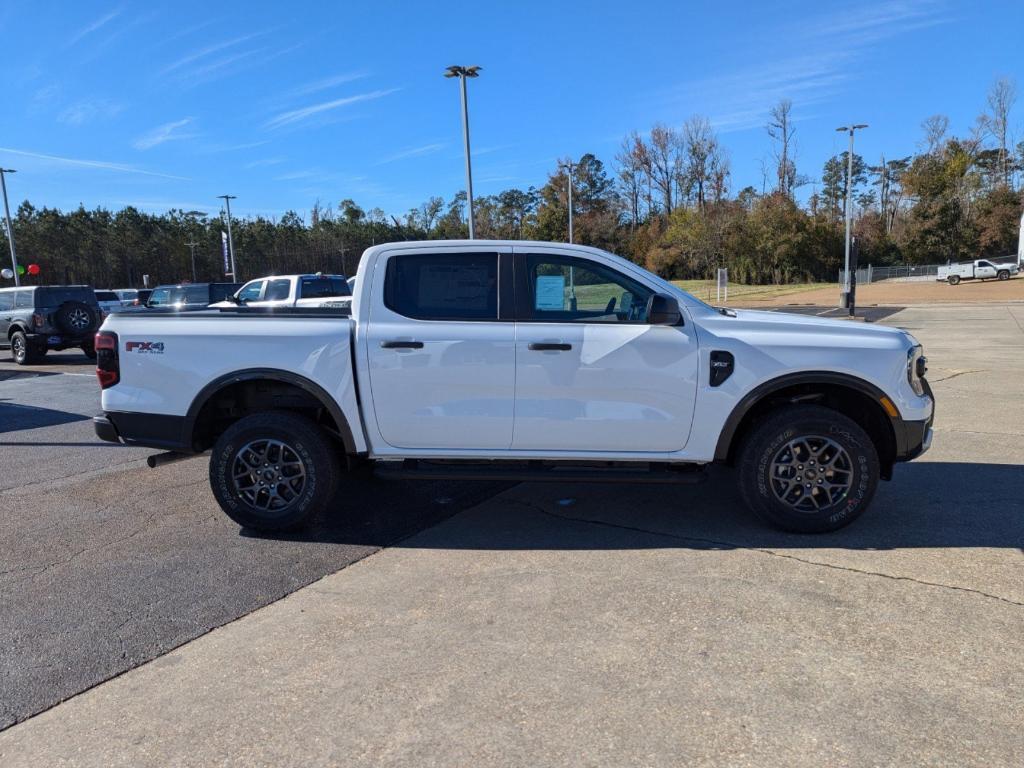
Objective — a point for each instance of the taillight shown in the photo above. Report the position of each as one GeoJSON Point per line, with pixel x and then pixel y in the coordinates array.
{"type": "Point", "coordinates": [108, 368]}
{"type": "Point", "coordinates": [38, 320]}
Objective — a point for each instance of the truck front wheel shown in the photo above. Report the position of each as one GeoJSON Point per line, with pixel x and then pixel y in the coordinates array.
{"type": "Point", "coordinates": [1004, 274]}
{"type": "Point", "coordinates": [273, 471]}
{"type": "Point", "coordinates": [808, 469]}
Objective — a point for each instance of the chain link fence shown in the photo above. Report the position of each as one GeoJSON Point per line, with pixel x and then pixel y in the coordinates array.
{"type": "Point", "coordinates": [870, 274]}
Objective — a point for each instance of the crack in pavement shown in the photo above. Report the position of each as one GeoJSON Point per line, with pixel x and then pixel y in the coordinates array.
{"type": "Point", "coordinates": [954, 375]}
{"type": "Point", "coordinates": [772, 553]}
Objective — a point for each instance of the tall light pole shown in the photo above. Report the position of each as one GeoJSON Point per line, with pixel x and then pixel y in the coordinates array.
{"type": "Point", "coordinates": [462, 73]}
{"type": "Point", "coordinates": [10, 229]}
{"type": "Point", "coordinates": [849, 207]}
{"type": "Point", "coordinates": [231, 243]}
{"type": "Point", "coordinates": [192, 245]}
{"type": "Point", "coordinates": [569, 167]}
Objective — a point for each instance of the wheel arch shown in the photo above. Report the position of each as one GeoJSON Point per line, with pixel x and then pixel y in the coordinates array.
{"type": "Point", "coordinates": [253, 377]}
{"type": "Point", "coordinates": [847, 394]}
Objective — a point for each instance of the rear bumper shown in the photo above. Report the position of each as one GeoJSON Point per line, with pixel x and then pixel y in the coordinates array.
{"type": "Point", "coordinates": [143, 429]}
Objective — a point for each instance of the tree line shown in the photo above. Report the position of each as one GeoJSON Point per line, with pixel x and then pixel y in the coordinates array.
{"type": "Point", "coordinates": [666, 202]}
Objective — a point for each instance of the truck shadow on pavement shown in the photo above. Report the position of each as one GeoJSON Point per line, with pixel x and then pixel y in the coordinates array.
{"type": "Point", "coordinates": [15, 417]}
{"type": "Point", "coordinates": [928, 504]}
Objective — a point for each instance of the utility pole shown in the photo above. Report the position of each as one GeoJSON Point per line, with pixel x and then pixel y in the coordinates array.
{"type": "Point", "coordinates": [192, 247]}
{"type": "Point", "coordinates": [569, 167]}
{"type": "Point", "coordinates": [462, 73]}
{"type": "Point", "coordinates": [849, 206]}
{"type": "Point", "coordinates": [10, 229]}
{"type": "Point", "coordinates": [231, 243]}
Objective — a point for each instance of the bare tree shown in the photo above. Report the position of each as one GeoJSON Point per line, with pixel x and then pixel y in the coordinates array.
{"type": "Point", "coordinates": [704, 166]}
{"type": "Point", "coordinates": [780, 129]}
{"type": "Point", "coordinates": [630, 171]}
{"type": "Point", "coordinates": [934, 128]}
{"type": "Point", "coordinates": [1001, 98]}
{"type": "Point", "coordinates": [661, 162]}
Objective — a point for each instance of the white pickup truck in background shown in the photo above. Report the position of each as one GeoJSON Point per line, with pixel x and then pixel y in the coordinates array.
{"type": "Point", "coordinates": [519, 360]}
{"type": "Point", "coordinates": [982, 269]}
{"type": "Point", "coordinates": [313, 290]}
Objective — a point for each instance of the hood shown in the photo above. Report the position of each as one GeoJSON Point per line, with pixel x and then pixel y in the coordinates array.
{"type": "Point", "coordinates": [804, 330]}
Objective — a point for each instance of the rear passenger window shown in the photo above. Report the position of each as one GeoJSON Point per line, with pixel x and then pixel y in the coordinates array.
{"type": "Point", "coordinates": [277, 290]}
{"type": "Point", "coordinates": [6, 300]}
{"type": "Point", "coordinates": [458, 286]}
{"type": "Point", "coordinates": [24, 300]}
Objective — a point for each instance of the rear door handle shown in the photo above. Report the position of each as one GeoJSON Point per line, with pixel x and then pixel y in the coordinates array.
{"type": "Point", "coordinates": [546, 346]}
{"type": "Point", "coordinates": [401, 345]}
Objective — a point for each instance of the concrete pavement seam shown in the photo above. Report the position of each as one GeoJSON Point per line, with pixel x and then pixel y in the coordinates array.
{"type": "Point", "coordinates": [774, 553]}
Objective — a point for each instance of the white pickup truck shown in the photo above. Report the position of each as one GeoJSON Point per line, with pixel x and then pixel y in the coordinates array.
{"type": "Point", "coordinates": [314, 290]}
{"type": "Point", "coordinates": [982, 269]}
{"type": "Point", "coordinates": [519, 360]}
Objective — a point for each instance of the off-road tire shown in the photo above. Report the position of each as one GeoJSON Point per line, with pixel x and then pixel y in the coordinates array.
{"type": "Point", "coordinates": [89, 350]}
{"type": "Point", "coordinates": [24, 351]}
{"type": "Point", "coordinates": [76, 318]}
{"type": "Point", "coordinates": [305, 442]}
{"type": "Point", "coordinates": [770, 439]}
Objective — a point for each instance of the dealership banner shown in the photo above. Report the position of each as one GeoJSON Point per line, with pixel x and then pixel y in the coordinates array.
{"type": "Point", "coordinates": [224, 248]}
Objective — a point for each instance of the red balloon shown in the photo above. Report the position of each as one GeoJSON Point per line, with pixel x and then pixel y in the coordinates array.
{"type": "Point", "coordinates": [33, 269]}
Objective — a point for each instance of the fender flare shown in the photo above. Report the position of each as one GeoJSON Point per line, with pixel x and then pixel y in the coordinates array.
{"type": "Point", "coordinates": [271, 374]}
{"type": "Point", "coordinates": [766, 389]}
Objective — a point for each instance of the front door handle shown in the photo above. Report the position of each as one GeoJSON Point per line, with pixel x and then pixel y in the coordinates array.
{"type": "Point", "coordinates": [546, 346]}
{"type": "Point", "coordinates": [401, 345]}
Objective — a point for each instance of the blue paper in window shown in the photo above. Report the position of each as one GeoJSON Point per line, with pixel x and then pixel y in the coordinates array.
{"type": "Point", "coordinates": [550, 292]}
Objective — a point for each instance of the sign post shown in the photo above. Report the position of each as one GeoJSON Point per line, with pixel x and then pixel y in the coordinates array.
{"type": "Point", "coordinates": [722, 285]}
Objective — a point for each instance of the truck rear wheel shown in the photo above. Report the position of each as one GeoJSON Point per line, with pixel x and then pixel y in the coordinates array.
{"type": "Point", "coordinates": [273, 471]}
{"type": "Point", "coordinates": [808, 469]}
{"type": "Point", "coordinates": [954, 279]}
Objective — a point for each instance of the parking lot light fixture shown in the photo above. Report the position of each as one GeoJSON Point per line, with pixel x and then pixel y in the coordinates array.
{"type": "Point", "coordinates": [849, 208]}
{"type": "Point", "coordinates": [10, 229]}
{"type": "Point", "coordinates": [462, 73]}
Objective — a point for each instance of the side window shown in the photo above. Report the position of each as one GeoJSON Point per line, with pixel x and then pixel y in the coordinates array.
{"type": "Point", "coordinates": [457, 286]}
{"type": "Point", "coordinates": [277, 290]}
{"type": "Point", "coordinates": [320, 288]}
{"type": "Point", "coordinates": [6, 300]}
{"type": "Point", "coordinates": [569, 290]}
{"type": "Point", "coordinates": [159, 297]}
{"type": "Point", "coordinates": [24, 300]}
{"type": "Point", "coordinates": [251, 291]}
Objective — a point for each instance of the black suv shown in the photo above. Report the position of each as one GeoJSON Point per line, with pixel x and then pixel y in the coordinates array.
{"type": "Point", "coordinates": [34, 319]}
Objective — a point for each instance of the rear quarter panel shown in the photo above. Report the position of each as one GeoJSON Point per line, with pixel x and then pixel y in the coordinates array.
{"type": "Point", "coordinates": [186, 352]}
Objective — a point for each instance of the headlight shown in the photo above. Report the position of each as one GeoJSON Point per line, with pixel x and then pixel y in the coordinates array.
{"type": "Point", "coordinates": [917, 367]}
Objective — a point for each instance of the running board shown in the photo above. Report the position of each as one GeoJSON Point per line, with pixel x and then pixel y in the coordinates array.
{"type": "Point", "coordinates": [538, 471]}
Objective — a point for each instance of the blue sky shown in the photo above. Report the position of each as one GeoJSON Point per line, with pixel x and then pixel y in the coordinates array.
{"type": "Point", "coordinates": [165, 105]}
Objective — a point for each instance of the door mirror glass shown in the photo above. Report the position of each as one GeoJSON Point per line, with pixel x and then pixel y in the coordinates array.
{"type": "Point", "coordinates": [663, 309]}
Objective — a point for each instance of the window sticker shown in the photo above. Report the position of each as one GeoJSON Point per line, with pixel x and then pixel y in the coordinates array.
{"type": "Point", "coordinates": [550, 292]}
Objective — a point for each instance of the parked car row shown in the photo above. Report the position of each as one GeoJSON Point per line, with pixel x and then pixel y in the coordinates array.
{"type": "Point", "coordinates": [36, 319]}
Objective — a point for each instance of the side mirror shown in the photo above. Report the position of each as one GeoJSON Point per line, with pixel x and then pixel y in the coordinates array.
{"type": "Point", "coordinates": [663, 309]}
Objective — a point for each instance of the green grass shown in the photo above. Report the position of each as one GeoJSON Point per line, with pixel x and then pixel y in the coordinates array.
{"type": "Point", "coordinates": [705, 289]}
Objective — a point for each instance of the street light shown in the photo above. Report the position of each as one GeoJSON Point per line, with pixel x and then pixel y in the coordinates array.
{"type": "Point", "coordinates": [462, 73]}
{"type": "Point", "coordinates": [231, 243]}
{"type": "Point", "coordinates": [10, 229]}
{"type": "Point", "coordinates": [570, 167]}
{"type": "Point", "coordinates": [849, 208]}
{"type": "Point", "coordinates": [192, 245]}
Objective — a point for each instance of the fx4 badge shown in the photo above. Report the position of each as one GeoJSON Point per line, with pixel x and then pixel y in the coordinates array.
{"type": "Point", "coordinates": [150, 347]}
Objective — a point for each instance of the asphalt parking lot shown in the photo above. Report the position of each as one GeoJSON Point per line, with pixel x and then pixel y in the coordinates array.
{"type": "Point", "coordinates": [544, 625]}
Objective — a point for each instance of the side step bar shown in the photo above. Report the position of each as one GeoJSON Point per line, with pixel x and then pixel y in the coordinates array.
{"type": "Point", "coordinates": [538, 471]}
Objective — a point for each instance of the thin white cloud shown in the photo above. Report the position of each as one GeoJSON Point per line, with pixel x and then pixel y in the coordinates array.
{"type": "Point", "coordinates": [166, 132]}
{"type": "Point", "coordinates": [88, 29]}
{"type": "Point", "coordinates": [298, 115]}
{"type": "Point", "coordinates": [215, 148]}
{"type": "Point", "coordinates": [426, 149]}
{"type": "Point", "coordinates": [98, 164]}
{"type": "Point", "coordinates": [264, 163]}
{"type": "Point", "coordinates": [327, 82]}
{"type": "Point", "coordinates": [208, 50]}
{"type": "Point", "coordinates": [83, 112]}
{"type": "Point", "coordinates": [296, 175]}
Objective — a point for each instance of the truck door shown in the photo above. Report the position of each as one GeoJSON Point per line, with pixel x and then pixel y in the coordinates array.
{"type": "Point", "coordinates": [441, 358]}
{"type": "Point", "coordinates": [984, 270]}
{"type": "Point", "coordinates": [591, 374]}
